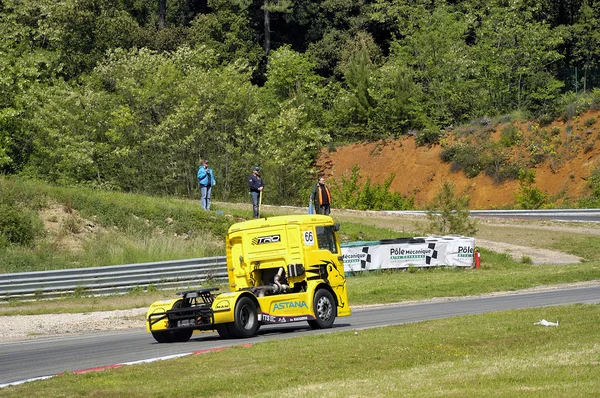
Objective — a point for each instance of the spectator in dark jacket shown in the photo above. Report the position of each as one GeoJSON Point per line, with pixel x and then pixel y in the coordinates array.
{"type": "Point", "coordinates": [256, 186]}
{"type": "Point", "coordinates": [322, 197]}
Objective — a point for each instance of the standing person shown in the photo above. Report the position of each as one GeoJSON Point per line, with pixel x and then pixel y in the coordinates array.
{"type": "Point", "coordinates": [321, 192]}
{"type": "Point", "coordinates": [206, 179]}
{"type": "Point", "coordinates": [256, 186]}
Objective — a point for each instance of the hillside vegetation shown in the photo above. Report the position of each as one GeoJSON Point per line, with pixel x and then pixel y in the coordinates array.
{"type": "Point", "coordinates": [48, 227]}
{"type": "Point", "coordinates": [485, 160]}
{"type": "Point", "coordinates": [131, 95]}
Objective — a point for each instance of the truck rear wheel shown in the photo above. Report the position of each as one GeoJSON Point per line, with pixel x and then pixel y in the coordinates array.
{"type": "Point", "coordinates": [245, 322]}
{"type": "Point", "coordinates": [173, 336]}
{"type": "Point", "coordinates": [161, 337]}
{"type": "Point", "coordinates": [325, 310]}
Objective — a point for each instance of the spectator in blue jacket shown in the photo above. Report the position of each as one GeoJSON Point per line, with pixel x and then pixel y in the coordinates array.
{"type": "Point", "coordinates": [206, 179]}
{"type": "Point", "coordinates": [256, 186]}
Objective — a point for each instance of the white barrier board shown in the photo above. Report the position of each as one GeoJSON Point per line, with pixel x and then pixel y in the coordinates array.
{"type": "Point", "coordinates": [432, 251]}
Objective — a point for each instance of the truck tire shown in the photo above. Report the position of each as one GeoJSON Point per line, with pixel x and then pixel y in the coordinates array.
{"type": "Point", "coordinates": [245, 323]}
{"type": "Point", "coordinates": [161, 337]}
{"type": "Point", "coordinates": [173, 336]}
{"type": "Point", "coordinates": [223, 330]}
{"type": "Point", "coordinates": [325, 310]}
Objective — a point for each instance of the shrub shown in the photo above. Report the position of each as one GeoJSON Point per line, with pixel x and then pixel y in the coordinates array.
{"type": "Point", "coordinates": [465, 130]}
{"type": "Point", "coordinates": [71, 224]}
{"type": "Point", "coordinates": [428, 137]}
{"type": "Point", "coordinates": [485, 121]}
{"type": "Point", "coordinates": [570, 111]}
{"type": "Point", "coordinates": [448, 153]}
{"type": "Point", "coordinates": [465, 157]}
{"type": "Point", "coordinates": [449, 213]}
{"type": "Point", "coordinates": [510, 136]}
{"type": "Point", "coordinates": [589, 122]}
{"type": "Point", "coordinates": [595, 101]}
{"type": "Point", "coordinates": [351, 194]}
{"type": "Point", "coordinates": [569, 129]}
{"type": "Point", "coordinates": [589, 147]}
{"type": "Point", "coordinates": [593, 199]}
{"type": "Point", "coordinates": [510, 171]}
{"type": "Point", "coordinates": [545, 119]}
{"type": "Point", "coordinates": [529, 197]}
{"type": "Point", "coordinates": [18, 225]}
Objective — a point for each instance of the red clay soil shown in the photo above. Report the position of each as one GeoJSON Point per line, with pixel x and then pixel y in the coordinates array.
{"type": "Point", "coordinates": [420, 172]}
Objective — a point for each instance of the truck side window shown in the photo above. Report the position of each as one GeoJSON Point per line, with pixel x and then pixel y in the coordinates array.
{"type": "Point", "coordinates": [326, 238]}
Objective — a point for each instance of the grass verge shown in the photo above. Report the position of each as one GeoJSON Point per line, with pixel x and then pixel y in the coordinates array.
{"type": "Point", "coordinates": [498, 354]}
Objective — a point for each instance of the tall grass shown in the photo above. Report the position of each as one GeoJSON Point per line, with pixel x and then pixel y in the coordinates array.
{"type": "Point", "coordinates": [104, 228]}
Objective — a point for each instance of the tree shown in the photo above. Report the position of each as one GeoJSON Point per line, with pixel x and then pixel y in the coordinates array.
{"type": "Point", "coordinates": [27, 64]}
{"type": "Point", "coordinates": [443, 64]}
{"type": "Point", "coordinates": [290, 144]}
{"type": "Point", "coordinates": [586, 35]}
{"type": "Point", "coordinates": [162, 14]}
{"type": "Point", "coordinates": [449, 213]}
{"type": "Point", "coordinates": [515, 56]}
{"type": "Point", "coordinates": [528, 196]}
{"type": "Point", "coordinates": [227, 31]}
{"type": "Point", "coordinates": [289, 73]}
{"type": "Point", "coordinates": [358, 67]}
{"type": "Point", "coordinates": [399, 100]}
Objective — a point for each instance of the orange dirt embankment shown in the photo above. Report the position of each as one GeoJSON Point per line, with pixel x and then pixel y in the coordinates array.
{"type": "Point", "coordinates": [571, 154]}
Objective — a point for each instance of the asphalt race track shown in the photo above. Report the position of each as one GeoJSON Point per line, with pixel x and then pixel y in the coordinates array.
{"type": "Point", "coordinates": [24, 360]}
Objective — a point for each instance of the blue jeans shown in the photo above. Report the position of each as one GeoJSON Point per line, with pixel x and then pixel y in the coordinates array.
{"type": "Point", "coordinates": [205, 197]}
{"type": "Point", "coordinates": [255, 197]}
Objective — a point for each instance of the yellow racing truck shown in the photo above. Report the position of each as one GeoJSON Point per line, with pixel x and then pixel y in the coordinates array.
{"type": "Point", "coordinates": [280, 269]}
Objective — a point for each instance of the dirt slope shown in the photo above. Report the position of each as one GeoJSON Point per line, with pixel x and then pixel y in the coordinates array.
{"type": "Point", "coordinates": [571, 152]}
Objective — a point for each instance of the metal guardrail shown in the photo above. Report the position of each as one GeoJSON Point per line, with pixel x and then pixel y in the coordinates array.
{"type": "Point", "coordinates": [569, 215]}
{"type": "Point", "coordinates": [120, 279]}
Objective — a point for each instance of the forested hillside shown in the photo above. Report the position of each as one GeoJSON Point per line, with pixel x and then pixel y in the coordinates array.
{"type": "Point", "coordinates": [129, 95]}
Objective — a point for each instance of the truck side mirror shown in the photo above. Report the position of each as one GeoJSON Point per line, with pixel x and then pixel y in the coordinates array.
{"type": "Point", "coordinates": [336, 226]}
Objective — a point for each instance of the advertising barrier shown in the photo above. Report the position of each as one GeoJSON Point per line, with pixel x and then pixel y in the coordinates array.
{"type": "Point", "coordinates": [431, 251]}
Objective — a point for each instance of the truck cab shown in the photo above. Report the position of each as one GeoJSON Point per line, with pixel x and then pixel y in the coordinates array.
{"type": "Point", "coordinates": [280, 270]}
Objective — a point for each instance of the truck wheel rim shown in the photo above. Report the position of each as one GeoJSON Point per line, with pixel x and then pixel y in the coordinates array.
{"type": "Point", "coordinates": [247, 318]}
{"type": "Point", "coordinates": [323, 308]}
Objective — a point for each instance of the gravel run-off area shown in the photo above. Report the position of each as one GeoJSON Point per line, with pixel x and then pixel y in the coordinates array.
{"type": "Point", "coordinates": [25, 327]}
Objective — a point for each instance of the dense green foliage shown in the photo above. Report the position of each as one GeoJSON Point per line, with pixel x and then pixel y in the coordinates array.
{"type": "Point", "coordinates": [128, 95]}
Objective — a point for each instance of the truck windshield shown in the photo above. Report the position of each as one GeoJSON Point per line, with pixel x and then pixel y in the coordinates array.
{"type": "Point", "coordinates": [326, 238]}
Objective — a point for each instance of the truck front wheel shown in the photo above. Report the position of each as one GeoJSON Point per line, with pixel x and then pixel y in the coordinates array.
{"type": "Point", "coordinates": [245, 323]}
{"type": "Point", "coordinates": [325, 310]}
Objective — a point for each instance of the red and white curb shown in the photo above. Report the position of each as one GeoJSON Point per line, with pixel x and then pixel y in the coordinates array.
{"type": "Point", "coordinates": [116, 366]}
